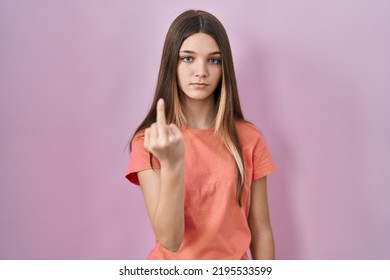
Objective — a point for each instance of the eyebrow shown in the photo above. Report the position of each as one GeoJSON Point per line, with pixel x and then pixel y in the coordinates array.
{"type": "Point", "coordinates": [192, 52]}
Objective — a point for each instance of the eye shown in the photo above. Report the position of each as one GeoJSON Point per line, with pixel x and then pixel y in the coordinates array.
{"type": "Point", "coordinates": [187, 59]}
{"type": "Point", "coordinates": [215, 60]}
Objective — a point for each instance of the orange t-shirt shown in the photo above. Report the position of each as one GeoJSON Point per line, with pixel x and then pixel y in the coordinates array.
{"type": "Point", "coordinates": [216, 227]}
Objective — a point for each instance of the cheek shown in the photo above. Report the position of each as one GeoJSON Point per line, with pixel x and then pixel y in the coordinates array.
{"type": "Point", "coordinates": [218, 75]}
{"type": "Point", "coordinates": [180, 76]}
{"type": "Point", "coordinates": [181, 73]}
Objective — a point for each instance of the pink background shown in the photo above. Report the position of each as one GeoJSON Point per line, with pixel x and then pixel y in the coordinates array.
{"type": "Point", "coordinates": [76, 78]}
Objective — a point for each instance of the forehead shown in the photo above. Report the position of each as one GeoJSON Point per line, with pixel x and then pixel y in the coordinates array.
{"type": "Point", "coordinates": [200, 43]}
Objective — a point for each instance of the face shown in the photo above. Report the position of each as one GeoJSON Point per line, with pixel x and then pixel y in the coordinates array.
{"type": "Point", "coordinates": [199, 70]}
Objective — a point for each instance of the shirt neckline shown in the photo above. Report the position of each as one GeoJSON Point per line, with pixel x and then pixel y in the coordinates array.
{"type": "Point", "coordinates": [199, 130]}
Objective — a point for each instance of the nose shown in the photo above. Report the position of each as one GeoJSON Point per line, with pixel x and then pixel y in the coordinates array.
{"type": "Point", "coordinates": [201, 69]}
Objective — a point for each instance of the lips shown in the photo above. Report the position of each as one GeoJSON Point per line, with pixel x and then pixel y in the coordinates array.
{"type": "Point", "coordinates": [199, 84]}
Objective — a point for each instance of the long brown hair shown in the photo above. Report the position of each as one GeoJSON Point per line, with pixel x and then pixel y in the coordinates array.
{"type": "Point", "coordinates": [226, 93]}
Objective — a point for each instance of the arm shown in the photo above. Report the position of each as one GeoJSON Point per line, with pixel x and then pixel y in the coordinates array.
{"type": "Point", "coordinates": [262, 244]}
{"type": "Point", "coordinates": [164, 190]}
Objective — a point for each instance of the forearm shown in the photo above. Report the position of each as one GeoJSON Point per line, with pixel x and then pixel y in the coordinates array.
{"type": "Point", "coordinates": [262, 245]}
{"type": "Point", "coordinates": [168, 217]}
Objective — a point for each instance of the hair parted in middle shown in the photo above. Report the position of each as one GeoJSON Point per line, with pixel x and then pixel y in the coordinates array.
{"type": "Point", "coordinates": [226, 94]}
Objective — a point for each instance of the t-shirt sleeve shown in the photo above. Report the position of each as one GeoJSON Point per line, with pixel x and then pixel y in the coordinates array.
{"type": "Point", "coordinates": [262, 160]}
{"type": "Point", "coordinates": [139, 160]}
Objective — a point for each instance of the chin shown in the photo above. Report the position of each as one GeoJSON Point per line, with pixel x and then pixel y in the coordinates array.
{"type": "Point", "coordinates": [198, 96]}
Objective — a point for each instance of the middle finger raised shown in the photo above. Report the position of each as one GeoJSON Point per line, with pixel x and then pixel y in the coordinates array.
{"type": "Point", "coordinates": [161, 120]}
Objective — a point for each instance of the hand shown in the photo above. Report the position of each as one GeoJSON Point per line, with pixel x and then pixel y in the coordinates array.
{"type": "Point", "coordinates": [164, 141]}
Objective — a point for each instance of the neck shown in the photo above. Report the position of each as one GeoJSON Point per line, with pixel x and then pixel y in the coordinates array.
{"type": "Point", "coordinates": [200, 114]}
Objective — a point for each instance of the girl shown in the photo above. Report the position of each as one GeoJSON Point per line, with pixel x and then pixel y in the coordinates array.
{"type": "Point", "coordinates": [202, 168]}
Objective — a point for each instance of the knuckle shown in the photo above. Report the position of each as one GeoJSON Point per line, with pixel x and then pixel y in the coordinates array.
{"type": "Point", "coordinates": [163, 143]}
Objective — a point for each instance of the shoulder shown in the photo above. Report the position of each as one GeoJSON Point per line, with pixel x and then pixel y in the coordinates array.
{"type": "Point", "coordinates": [137, 138]}
{"type": "Point", "coordinates": [255, 149]}
{"type": "Point", "coordinates": [247, 131]}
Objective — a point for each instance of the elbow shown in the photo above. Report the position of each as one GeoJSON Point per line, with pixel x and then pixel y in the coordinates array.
{"type": "Point", "coordinates": [169, 235]}
{"type": "Point", "coordinates": [172, 243]}
{"type": "Point", "coordinates": [265, 234]}
{"type": "Point", "coordinates": [173, 247]}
